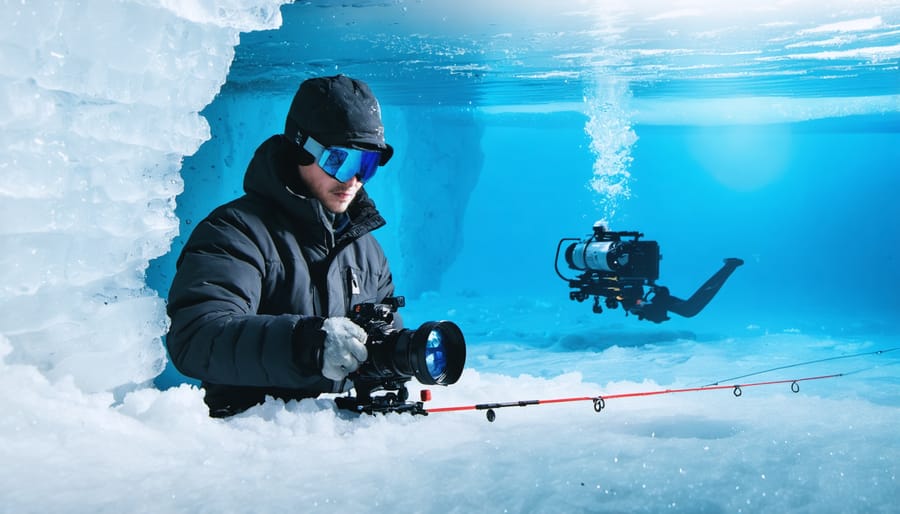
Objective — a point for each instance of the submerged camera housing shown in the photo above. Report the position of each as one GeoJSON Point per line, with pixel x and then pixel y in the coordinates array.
{"type": "Point", "coordinates": [608, 252]}
{"type": "Point", "coordinates": [618, 266]}
{"type": "Point", "coordinates": [433, 354]}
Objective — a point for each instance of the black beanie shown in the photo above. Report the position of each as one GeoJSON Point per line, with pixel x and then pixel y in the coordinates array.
{"type": "Point", "coordinates": [337, 111]}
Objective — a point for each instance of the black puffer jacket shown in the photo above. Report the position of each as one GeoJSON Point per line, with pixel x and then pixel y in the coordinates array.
{"type": "Point", "coordinates": [257, 278]}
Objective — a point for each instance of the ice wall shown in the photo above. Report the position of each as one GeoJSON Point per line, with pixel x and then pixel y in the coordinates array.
{"type": "Point", "coordinates": [239, 121]}
{"type": "Point", "coordinates": [99, 102]}
{"type": "Point", "coordinates": [436, 180]}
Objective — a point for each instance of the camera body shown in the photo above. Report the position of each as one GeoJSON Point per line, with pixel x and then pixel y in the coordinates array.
{"type": "Point", "coordinates": [610, 253]}
{"type": "Point", "coordinates": [434, 353]}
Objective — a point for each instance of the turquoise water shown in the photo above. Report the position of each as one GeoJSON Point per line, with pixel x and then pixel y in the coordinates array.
{"type": "Point", "coordinates": [769, 135]}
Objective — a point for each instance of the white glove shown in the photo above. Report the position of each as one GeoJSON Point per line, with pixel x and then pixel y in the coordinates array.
{"type": "Point", "coordinates": [345, 348]}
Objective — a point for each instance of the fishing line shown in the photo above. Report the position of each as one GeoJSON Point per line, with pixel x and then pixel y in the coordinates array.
{"type": "Point", "coordinates": [807, 363]}
{"type": "Point", "coordinates": [870, 368]}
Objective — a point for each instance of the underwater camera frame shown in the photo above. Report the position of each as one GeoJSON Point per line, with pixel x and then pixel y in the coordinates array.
{"type": "Point", "coordinates": [617, 266]}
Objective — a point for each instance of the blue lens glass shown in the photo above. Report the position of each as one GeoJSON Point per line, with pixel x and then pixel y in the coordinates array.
{"type": "Point", "coordinates": [368, 166]}
{"type": "Point", "coordinates": [334, 158]}
{"type": "Point", "coordinates": [435, 356]}
{"type": "Point", "coordinates": [345, 163]}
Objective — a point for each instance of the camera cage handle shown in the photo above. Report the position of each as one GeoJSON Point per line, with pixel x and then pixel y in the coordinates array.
{"type": "Point", "coordinates": [394, 302]}
{"type": "Point", "coordinates": [556, 262]}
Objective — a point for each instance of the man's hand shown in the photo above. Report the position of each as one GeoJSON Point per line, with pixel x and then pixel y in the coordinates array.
{"type": "Point", "coordinates": [345, 348]}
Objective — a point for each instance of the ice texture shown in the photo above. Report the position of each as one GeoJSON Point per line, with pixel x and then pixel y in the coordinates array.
{"type": "Point", "coordinates": [99, 103]}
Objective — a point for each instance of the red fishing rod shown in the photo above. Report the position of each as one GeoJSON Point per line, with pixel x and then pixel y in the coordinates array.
{"type": "Point", "coordinates": [599, 402]}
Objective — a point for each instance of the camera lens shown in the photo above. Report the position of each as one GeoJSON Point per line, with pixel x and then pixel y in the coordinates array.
{"type": "Point", "coordinates": [438, 352]}
{"type": "Point", "coordinates": [434, 353]}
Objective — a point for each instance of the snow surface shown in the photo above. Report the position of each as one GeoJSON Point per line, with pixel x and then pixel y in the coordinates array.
{"type": "Point", "coordinates": [99, 102]}
{"type": "Point", "coordinates": [826, 449]}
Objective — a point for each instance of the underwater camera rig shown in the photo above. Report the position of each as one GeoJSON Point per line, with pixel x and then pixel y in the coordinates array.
{"type": "Point", "coordinates": [619, 265]}
{"type": "Point", "coordinates": [434, 354]}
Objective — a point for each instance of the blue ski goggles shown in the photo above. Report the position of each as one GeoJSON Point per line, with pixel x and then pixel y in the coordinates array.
{"type": "Point", "coordinates": [344, 163]}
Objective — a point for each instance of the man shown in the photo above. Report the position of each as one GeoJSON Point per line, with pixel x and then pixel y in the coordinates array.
{"type": "Point", "coordinates": [264, 284]}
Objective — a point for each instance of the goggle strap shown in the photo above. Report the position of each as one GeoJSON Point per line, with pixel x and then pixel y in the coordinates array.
{"type": "Point", "coordinates": [314, 147]}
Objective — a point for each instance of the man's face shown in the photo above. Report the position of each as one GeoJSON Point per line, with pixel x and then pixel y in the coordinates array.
{"type": "Point", "coordinates": [334, 195]}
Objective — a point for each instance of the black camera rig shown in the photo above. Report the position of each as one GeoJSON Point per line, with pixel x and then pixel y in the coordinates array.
{"type": "Point", "coordinates": [617, 266]}
{"type": "Point", "coordinates": [434, 354]}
